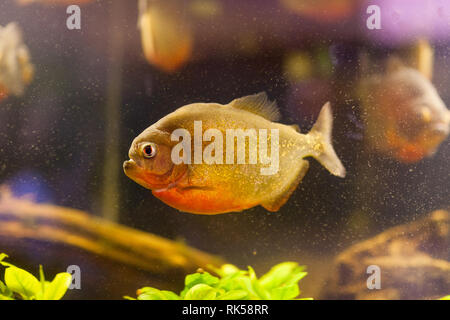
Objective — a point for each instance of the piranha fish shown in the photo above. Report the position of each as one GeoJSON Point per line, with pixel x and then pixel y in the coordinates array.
{"type": "Point", "coordinates": [404, 115]}
{"type": "Point", "coordinates": [221, 182]}
{"type": "Point", "coordinates": [166, 34]}
{"type": "Point", "coordinates": [16, 70]}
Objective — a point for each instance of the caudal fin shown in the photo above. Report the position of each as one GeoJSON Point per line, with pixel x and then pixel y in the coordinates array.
{"type": "Point", "coordinates": [324, 153]}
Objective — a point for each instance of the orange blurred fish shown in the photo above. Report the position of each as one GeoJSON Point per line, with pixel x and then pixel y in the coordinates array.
{"type": "Point", "coordinates": [404, 115]}
{"type": "Point", "coordinates": [322, 10]}
{"type": "Point", "coordinates": [166, 34]}
{"type": "Point", "coordinates": [16, 70]}
{"type": "Point", "coordinates": [213, 181]}
{"type": "Point", "coordinates": [53, 2]}
{"type": "Point", "coordinates": [3, 92]}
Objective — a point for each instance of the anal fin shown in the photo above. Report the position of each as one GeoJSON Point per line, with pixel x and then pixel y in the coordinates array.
{"type": "Point", "coordinates": [274, 204]}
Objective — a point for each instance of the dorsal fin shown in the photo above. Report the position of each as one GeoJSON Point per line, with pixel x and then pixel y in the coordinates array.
{"type": "Point", "coordinates": [258, 104]}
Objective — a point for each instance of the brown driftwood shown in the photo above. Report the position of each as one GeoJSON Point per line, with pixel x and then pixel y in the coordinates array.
{"type": "Point", "coordinates": [414, 260]}
{"type": "Point", "coordinates": [69, 233]}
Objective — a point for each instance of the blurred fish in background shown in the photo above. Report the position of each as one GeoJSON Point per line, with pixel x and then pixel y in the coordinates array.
{"type": "Point", "coordinates": [53, 2]}
{"type": "Point", "coordinates": [322, 10]}
{"type": "Point", "coordinates": [16, 70]}
{"type": "Point", "coordinates": [166, 33]}
{"type": "Point", "coordinates": [404, 115]}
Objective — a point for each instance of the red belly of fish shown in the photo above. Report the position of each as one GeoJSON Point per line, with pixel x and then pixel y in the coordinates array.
{"type": "Point", "coordinates": [405, 151]}
{"type": "Point", "coordinates": [202, 201]}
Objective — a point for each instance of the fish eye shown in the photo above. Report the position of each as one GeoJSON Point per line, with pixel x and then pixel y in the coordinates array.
{"type": "Point", "coordinates": [425, 114]}
{"type": "Point", "coordinates": [148, 150]}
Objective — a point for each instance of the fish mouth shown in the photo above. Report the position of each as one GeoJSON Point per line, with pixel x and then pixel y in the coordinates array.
{"type": "Point", "coordinates": [148, 180]}
{"type": "Point", "coordinates": [132, 170]}
{"type": "Point", "coordinates": [136, 173]}
{"type": "Point", "coordinates": [128, 165]}
{"type": "Point", "coordinates": [441, 129]}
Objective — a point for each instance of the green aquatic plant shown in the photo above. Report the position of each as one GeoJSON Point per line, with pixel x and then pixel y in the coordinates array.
{"type": "Point", "coordinates": [231, 283]}
{"type": "Point", "coordinates": [20, 284]}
